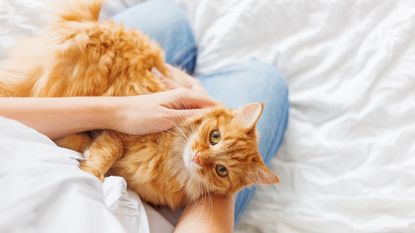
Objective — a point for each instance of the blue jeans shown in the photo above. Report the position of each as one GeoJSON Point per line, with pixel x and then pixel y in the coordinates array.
{"type": "Point", "coordinates": [236, 85]}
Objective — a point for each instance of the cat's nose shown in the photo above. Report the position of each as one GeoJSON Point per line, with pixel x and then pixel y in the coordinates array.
{"type": "Point", "coordinates": [196, 159]}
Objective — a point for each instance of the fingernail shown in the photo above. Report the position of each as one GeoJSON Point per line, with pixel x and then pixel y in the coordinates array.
{"type": "Point", "coordinates": [169, 69]}
{"type": "Point", "coordinates": [155, 71]}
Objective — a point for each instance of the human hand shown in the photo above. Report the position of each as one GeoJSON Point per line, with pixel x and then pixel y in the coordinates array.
{"type": "Point", "coordinates": [152, 113]}
{"type": "Point", "coordinates": [178, 78]}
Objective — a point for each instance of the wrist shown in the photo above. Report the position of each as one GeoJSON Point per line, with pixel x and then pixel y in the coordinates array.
{"type": "Point", "coordinates": [106, 113]}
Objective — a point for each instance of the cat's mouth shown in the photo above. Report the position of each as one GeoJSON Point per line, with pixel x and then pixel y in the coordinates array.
{"type": "Point", "coordinates": [196, 159]}
{"type": "Point", "coordinates": [191, 159]}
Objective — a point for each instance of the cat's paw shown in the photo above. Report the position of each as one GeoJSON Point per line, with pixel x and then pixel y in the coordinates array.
{"type": "Point", "coordinates": [92, 170]}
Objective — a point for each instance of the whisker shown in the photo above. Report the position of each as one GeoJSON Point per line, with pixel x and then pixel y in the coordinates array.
{"type": "Point", "coordinates": [178, 128]}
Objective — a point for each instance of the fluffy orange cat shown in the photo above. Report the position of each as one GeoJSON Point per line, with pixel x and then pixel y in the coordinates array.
{"type": "Point", "coordinates": [214, 153]}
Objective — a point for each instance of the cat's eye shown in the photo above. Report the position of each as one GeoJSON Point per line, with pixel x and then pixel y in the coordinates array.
{"type": "Point", "coordinates": [221, 170]}
{"type": "Point", "coordinates": [214, 137]}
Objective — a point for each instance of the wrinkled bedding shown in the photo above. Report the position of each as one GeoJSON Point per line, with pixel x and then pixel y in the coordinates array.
{"type": "Point", "coordinates": [347, 163]}
{"type": "Point", "coordinates": [43, 189]}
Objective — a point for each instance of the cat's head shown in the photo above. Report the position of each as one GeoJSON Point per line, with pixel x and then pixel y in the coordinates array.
{"type": "Point", "coordinates": [221, 152]}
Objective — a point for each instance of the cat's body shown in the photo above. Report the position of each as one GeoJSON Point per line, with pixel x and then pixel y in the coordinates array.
{"type": "Point", "coordinates": [147, 154]}
{"type": "Point", "coordinates": [82, 57]}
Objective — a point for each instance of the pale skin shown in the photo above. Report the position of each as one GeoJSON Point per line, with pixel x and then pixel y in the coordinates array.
{"type": "Point", "coordinates": [137, 115]}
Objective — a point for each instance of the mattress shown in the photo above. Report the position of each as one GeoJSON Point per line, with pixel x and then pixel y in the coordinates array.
{"type": "Point", "coordinates": [347, 163]}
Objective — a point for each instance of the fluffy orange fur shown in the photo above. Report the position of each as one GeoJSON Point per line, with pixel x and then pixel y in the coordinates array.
{"type": "Point", "coordinates": [80, 56]}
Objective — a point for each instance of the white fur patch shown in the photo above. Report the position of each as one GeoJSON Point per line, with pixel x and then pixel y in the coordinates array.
{"type": "Point", "coordinates": [188, 155]}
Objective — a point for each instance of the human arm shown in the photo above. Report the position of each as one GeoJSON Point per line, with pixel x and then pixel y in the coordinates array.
{"type": "Point", "coordinates": [208, 215]}
{"type": "Point", "coordinates": [59, 117]}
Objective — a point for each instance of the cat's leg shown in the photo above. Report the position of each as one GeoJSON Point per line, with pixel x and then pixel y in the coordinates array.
{"type": "Point", "coordinates": [102, 153]}
{"type": "Point", "coordinates": [77, 142]}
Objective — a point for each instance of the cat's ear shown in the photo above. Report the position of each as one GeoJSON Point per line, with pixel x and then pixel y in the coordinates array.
{"type": "Point", "coordinates": [249, 114]}
{"type": "Point", "coordinates": [260, 174]}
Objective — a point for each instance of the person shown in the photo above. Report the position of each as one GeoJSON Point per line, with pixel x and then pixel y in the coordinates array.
{"type": "Point", "coordinates": [235, 85]}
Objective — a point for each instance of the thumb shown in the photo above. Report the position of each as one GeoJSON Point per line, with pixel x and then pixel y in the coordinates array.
{"type": "Point", "coordinates": [188, 99]}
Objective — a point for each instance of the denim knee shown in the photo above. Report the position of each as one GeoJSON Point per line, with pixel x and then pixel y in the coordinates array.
{"type": "Point", "coordinates": [273, 91]}
{"type": "Point", "coordinates": [268, 79]}
{"type": "Point", "coordinates": [165, 22]}
{"type": "Point", "coordinates": [178, 38]}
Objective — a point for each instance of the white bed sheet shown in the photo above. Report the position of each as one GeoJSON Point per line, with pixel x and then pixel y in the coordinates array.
{"type": "Point", "coordinates": [347, 163]}
{"type": "Point", "coordinates": [348, 159]}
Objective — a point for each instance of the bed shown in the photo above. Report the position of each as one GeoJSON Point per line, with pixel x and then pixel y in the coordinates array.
{"type": "Point", "coordinates": [347, 163]}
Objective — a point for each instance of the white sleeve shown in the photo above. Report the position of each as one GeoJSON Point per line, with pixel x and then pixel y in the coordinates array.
{"type": "Point", "coordinates": [43, 190]}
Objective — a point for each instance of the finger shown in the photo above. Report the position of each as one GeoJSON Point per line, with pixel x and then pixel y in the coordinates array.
{"type": "Point", "coordinates": [199, 99]}
{"type": "Point", "coordinates": [169, 67]}
{"type": "Point", "coordinates": [178, 116]}
{"type": "Point", "coordinates": [187, 99]}
{"type": "Point", "coordinates": [197, 87]}
{"type": "Point", "coordinates": [166, 81]}
{"type": "Point", "coordinates": [187, 81]}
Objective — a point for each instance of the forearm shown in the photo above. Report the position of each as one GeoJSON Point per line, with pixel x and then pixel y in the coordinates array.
{"type": "Point", "coordinates": [58, 117]}
{"type": "Point", "coordinates": [208, 215]}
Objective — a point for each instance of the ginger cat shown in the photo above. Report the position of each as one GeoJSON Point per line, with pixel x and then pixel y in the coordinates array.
{"type": "Point", "coordinates": [214, 153]}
